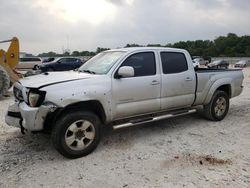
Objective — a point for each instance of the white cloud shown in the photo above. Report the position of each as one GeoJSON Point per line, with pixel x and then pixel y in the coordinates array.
{"type": "Point", "coordinates": [94, 11]}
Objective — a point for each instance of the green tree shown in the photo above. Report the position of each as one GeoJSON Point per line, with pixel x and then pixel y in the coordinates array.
{"type": "Point", "coordinates": [75, 53]}
{"type": "Point", "coordinates": [229, 45]}
{"type": "Point", "coordinates": [99, 49]}
{"type": "Point", "coordinates": [66, 54]}
{"type": "Point", "coordinates": [154, 45]}
{"type": "Point", "coordinates": [132, 45]}
{"type": "Point", "coordinates": [48, 54]}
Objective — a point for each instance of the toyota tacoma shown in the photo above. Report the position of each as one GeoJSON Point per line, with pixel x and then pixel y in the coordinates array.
{"type": "Point", "coordinates": [119, 88]}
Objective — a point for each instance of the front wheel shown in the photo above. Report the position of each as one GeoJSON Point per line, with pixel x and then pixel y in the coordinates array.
{"type": "Point", "coordinates": [76, 134]}
{"type": "Point", "coordinates": [217, 108]}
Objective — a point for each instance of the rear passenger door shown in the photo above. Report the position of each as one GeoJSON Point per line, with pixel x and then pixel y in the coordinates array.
{"type": "Point", "coordinates": [178, 81]}
{"type": "Point", "coordinates": [77, 63]}
{"type": "Point", "coordinates": [61, 64]}
{"type": "Point", "coordinates": [139, 94]}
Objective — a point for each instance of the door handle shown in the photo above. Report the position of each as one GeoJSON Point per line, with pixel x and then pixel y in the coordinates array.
{"type": "Point", "coordinates": [155, 82]}
{"type": "Point", "coordinates": [188, 79]}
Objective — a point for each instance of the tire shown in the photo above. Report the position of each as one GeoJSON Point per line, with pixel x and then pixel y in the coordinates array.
{"type": "Point", "coordinates": [50, 70]}
{"type": "Point", "coordinates": [217, 108]}
{"type": "Point", "coordinates": [69, 136]}
{"type": "Point", "coordinates": [36, 67]}
{"type": "Point", "coordinates": [4, 81]}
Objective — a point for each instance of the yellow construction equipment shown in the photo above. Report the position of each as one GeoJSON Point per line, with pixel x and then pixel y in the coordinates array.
{"type": "Point", "coordinates": [8, 62]}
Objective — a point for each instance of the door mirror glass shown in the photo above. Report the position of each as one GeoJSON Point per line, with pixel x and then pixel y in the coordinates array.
{"type": "Point", "coordinates": [126, 71]}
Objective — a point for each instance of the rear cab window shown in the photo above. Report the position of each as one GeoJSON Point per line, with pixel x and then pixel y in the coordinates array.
{"type": "Point", "coordinates": [173, 62]}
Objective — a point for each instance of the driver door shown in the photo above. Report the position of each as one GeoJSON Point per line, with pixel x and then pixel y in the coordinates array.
{"type": "Point", "coordinates": [139, 94]}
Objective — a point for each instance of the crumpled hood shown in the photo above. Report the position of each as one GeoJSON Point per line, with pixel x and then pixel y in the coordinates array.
{"type": "Point", "coordinates": [51, 78]}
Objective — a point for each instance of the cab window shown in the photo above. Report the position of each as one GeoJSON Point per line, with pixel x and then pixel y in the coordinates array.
{"type": "Point", "coordinates": [173, 62]}
{"type": "Point", "coordinates": [143, 63]}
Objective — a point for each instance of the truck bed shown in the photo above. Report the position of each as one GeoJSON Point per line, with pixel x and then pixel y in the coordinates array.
{"type": "Point", "coordinates": [206, 78]}
{"type": "Point", "coordinates": [205, 70]}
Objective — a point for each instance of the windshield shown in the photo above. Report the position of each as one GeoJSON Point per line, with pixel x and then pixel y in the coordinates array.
{"type": "Point", "coordinates": [55, 60]}
{"type": "Point", "coordinates": [101, 63]}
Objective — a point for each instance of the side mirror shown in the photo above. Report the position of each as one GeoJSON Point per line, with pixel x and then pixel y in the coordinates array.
{"type": "Point", "coordinates": [126, 71]}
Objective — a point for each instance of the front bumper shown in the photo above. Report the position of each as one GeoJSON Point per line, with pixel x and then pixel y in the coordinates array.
{"type": "Point", "coordinates": [31, 119]}
{"type": "Point", "coordinates": [13, 116]}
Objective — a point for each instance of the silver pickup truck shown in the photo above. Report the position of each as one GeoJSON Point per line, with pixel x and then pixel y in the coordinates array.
{"type": "Point", "coordinates": [119, 88]}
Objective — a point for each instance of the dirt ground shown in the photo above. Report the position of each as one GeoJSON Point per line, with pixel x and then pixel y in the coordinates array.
{"type": "Point", "coordinates": [186, 151]}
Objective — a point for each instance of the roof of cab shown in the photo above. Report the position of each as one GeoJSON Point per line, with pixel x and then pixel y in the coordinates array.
{"type": "Point", "coordinates": [130, 49]}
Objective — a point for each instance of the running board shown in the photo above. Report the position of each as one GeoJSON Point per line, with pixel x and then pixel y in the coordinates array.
{"type": "Point", "coordinates": [152, 119]}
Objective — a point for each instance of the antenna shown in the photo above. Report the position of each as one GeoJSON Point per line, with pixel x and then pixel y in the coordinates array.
{"type": "Point", "coordinates": [67, 42]}
{"type": "Point", "coordinates": [63, 50]}
{"type": "Point", "coordinates": [67, 49]}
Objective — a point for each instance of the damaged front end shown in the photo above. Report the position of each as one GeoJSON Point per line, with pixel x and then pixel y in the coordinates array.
{"type": "Point", "coordinates": [29, 112]}
{"type": "Point", "coordinates": [28, 118]}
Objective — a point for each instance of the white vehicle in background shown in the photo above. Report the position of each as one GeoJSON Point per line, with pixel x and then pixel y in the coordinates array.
{"type": "Point", "coordinates": [28, 63]}
{"type": "Point", "coordinates": [200, 61]}
{"type": "Point", "coordinates": [242, 64]}
{"type": "Point", "coordinates": [196, 64]}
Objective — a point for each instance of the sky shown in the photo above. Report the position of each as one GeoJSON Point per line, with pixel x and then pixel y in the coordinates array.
{"type": "Point", "coordinates": [54, 25]}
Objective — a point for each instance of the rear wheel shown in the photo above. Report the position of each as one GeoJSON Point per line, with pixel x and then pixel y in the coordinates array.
{"type": "Point", "coordinates": [217, 108]}
{"type": "Point", "coordinates": [76, 134]}
{"type": "Point", "coordinates": [4, 81]}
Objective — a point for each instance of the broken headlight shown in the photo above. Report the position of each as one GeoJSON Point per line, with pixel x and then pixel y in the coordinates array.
{"type": "Point", "coordinates": [18, 94]}
{"type": "Point", "coordinates": [36, 98]}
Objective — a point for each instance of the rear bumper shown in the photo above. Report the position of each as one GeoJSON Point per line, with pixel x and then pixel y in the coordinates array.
{"type": "Point", "coordinates": [31, 119]}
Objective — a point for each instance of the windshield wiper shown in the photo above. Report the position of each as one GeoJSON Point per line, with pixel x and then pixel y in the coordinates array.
{"type": "Point", "coordinates": [87, 71]}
